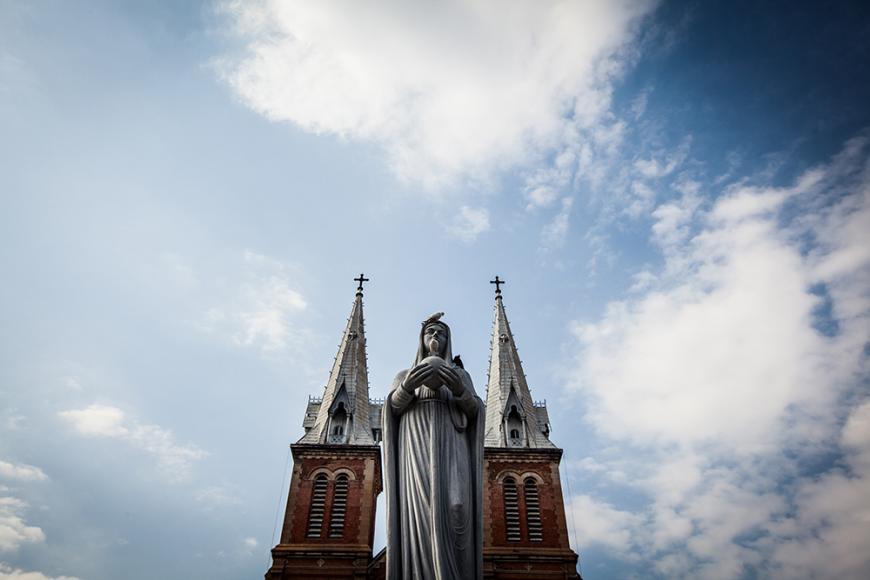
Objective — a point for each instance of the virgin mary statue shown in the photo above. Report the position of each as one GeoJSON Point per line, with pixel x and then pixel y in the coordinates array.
{"type": "Point", "coordinates": [433, 450]}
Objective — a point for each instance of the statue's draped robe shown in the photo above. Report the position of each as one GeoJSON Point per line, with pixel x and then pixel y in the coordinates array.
{"type": "Point", "coordinates": [433, 450]}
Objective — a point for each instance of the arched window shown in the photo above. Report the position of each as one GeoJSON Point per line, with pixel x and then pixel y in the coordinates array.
{"type": "Point", "coordinates": [533, 510]}
{"type": "Point", "coordinates": [338, 421]}
{"type": "Point", "coordinates": [515, 427]}
{"type": "Point", "coordinates": [511, 509]}
{"type": "Point", "coordinates": [339, 507]}
{"type": "Point", "coordinates": [318, 505]}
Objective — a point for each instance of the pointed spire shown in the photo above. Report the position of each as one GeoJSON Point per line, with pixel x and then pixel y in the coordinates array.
{"type": "Point", "coordinates": [512, 417]}
{"type": "Point", "coordinates": [342, 416]}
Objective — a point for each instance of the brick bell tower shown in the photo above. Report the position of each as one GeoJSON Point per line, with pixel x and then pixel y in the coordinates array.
{"type": "Point", "coordinates": [329, 522]}
{"type": "Point", "coordinates": [524, 529]}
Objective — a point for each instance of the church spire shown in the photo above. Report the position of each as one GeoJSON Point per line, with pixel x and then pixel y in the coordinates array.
{"type": "Point", "coordinates": [342, 415]}
{"type": "Point", "coordinates": [513, 419]}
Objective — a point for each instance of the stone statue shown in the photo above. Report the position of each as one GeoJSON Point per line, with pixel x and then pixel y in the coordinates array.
{"type": "Point", "coordinates": [433, 451]}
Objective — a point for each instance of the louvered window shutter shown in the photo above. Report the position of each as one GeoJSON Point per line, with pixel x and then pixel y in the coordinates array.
{"type": "Point", "coordinates": [339, 507]}
{"type": "Point", "coordinates": [318, 505]}
{"type": "Point", "coordinates": [533, 510]}
{"type": "Point", "coordinates": [511, 509]}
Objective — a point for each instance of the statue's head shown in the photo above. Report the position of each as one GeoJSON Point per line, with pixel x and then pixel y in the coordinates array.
{"type": "Point", "coordinates": [435, 337]}
{"type": "Point", "coordinates": [437, 331]}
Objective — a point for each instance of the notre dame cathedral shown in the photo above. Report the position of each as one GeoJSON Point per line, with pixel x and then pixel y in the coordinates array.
{"type": "Point", "coordinates": [329, 523]}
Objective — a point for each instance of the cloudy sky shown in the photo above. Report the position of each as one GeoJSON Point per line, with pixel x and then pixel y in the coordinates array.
{"type": "Point", "coordinates": [678, 195]}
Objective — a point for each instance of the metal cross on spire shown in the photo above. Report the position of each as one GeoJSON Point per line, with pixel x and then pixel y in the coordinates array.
{"type": "Point", "coordinates": [362, 278]}
{"type": "Point", "coordinates": [498, 284]}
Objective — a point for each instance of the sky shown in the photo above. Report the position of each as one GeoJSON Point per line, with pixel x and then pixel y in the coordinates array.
{"type": "Point", "coordinates": [677, 194]}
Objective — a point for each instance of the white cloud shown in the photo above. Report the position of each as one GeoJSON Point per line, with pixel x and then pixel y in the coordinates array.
{"type": "Point", "coordinates": [72, 383]}
{"type": "Point", "coordinates": [673, 220]}
{"type": "Point", "coordinates": [543, 186]}
{"type": "Point", "coordinates": [250, 543]}
{"type": "Point", "coordinates": [642, 281]}
{"type": "Point", "coordinates": [106, 421]}
{"type": "Point", "coordinates": [554, 233]}
{"type": "Point", "coordinates": [664, 164]}
{"type": "Point", "coordinates": [265, 322]}
{"type": "Point", "coordinates": [600, 523]}
{"type": "Point", "coordinates": [14, 531]}
{"type": "Point", "coordinates": [542, 196]}
{"type": "Point", "coordinates": [856, 439]}
{"type": "Point", "coordinates": [7, 572]}
{"type": "Point", "coordinates": [832, 535]}
{"type": "Point", "coordinates": [717, 387]}
{"type": "Point", "coordinates": [449, 89]}
{"type": "Point", "coordinates": [643, 198]}
{"type": "Point", "coordinates": [215, 496]}
{"type": "Point", "coordinates": [749, 202]}
{"type": "Point", "coordinates": [734, 327]}
{"type": "Point", "coordinates": [469, 223]}
{"type": "Point", "coordinates": [622, 185]}
{"type": "Point", "coordinates": [97, 421]}
{"type": "Point", "coordinates": [639, 103]}
{"type": "Point", "coordinates": [590, 464]}
{"type": "Point", "coordinates": [12, 421]}
{"type": "Point", "coordinates": [260, 312]}
{"type": "Point", "coordinates": [21, 472]}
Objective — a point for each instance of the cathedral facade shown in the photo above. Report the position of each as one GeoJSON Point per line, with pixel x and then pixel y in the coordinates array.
{"type": "Point", "coordinates": [329, 522]}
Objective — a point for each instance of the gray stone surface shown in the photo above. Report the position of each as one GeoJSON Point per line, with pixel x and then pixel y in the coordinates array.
{"type": "Point", "coordinates": [509, 403]}
{"type": "Point", "coordinates": [433, 454]}
{"type": "Point", "coordinates": [345, 402]}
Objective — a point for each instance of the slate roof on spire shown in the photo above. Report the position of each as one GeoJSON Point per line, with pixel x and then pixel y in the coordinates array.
{"type": "Point", "coordinates": [350, 371]}
{"type": "Point", "coordinates": [507, 385]}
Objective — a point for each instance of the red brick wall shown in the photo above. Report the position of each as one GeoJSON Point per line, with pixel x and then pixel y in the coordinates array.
{"type": "Point", "coordinates": [551, 557]}
{"type": "Point", "coordinates": [297, 555]}
{"type": "Point", "coordinates": [520, 463]}
{"type": "Point", "coordinates": [363, 489]}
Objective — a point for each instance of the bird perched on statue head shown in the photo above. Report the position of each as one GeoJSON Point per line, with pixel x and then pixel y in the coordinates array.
{"type": "Point", "coordinates": [433, 318]}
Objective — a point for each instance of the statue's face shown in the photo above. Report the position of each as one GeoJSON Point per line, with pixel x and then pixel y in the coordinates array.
{"type": "Point", "coordinates": [438, 333]}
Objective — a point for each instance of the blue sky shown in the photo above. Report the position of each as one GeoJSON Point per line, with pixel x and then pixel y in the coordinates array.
{"type": "Point", "coordinates": [676, 193]}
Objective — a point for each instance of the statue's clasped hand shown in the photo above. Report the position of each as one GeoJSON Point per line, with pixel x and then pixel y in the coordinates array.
{"type": "Point", "coordinates": [417, 376]}
{"type": "Point", "coordinates": [425, 374]}
{"type": "Point", "coordinates": [452, 379]}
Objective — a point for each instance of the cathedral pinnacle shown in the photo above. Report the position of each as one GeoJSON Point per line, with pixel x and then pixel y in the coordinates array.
{"type": "Point", "coordinates": [513, 418]}
{"type": "Point", "coordinates": [342, 416]}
